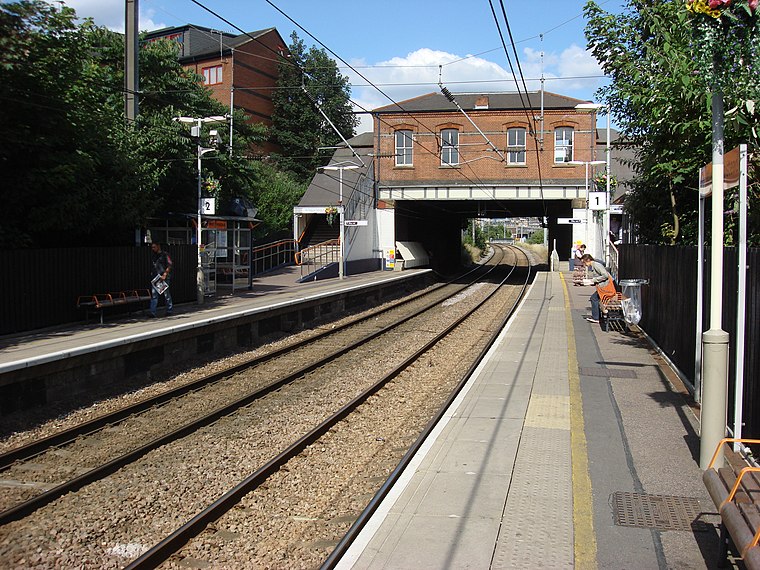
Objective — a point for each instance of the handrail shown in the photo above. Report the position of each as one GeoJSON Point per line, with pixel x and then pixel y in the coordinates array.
{"type": "Point", "coordinates": [318, 255]}
{"type": "Point", "coordinates": [270, 255]}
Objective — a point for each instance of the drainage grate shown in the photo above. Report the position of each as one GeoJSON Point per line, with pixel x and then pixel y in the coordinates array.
{"type": "Point", "coordinates": [661, 512]}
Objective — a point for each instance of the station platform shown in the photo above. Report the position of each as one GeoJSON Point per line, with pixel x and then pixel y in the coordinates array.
{"type": "Point", "coordinates": [570, 447]}
{"type": "Point", "coordinates": [272, 290]}
{"type": "Point", "coordinates": [80, 362]}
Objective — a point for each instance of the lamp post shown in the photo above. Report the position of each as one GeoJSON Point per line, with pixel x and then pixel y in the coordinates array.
{"type": "Point", "coordinates": [341, 212]}
{"type": "Point", "coordinates": [195, 132]}
{"type": "Point", "coordinates": [587, 163]}
{"type": "Point", "coordinates": [592, 108]}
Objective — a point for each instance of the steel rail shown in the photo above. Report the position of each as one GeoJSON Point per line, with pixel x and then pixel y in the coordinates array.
{"type": "Point", "coordinates": [342, 547]}
{"type": "Point", "coordinates": [27, 507]}
{"type": "Point", "coordinates": [61, 438]}
{"type": "Point", "coordinates": [160, 552]}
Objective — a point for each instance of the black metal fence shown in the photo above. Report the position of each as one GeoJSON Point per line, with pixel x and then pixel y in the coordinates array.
{"type": "Point", "coordinates": [40, 287]}
{"type": "Point", "coordinates": [669, 312]}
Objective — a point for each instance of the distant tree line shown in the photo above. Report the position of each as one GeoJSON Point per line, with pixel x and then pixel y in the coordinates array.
{"type": "Point", "coordinates": [76, 172]}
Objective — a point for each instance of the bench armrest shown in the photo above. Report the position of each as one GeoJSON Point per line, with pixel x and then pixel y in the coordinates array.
{"type": "Point", "coordinates": [729, 440]}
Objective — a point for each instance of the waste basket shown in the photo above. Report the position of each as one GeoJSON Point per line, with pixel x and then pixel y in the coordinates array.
{"type": "Point", "coordinates": [631, 302]}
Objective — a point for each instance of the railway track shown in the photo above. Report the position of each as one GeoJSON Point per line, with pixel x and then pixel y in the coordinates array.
{"type": "Point", "coordinates": [281, 398]}
{"type": "Point", "coordinates": [84, 453]}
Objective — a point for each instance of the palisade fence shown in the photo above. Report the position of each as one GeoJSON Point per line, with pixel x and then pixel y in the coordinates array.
{"type": "Point", "coordinates": [669, 312]}
{"type": "Point", "coordinates": [40, 287]}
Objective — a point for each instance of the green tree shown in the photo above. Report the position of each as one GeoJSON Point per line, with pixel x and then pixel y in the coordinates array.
{"type": "Point", "coordinates": [536, 237]}
{"type": "Point", "coordinates": [479, 240]}
{"type": "Point", "coordinates": [660, 96]}
{"type": "Point", "coordinates": [309, 78]}
{"type": "Point", "coordinates": [74, 171]}
{"type": "Point", "coordinates": [275, 193]}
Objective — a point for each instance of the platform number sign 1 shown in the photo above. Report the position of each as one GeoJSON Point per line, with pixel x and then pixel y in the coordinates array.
{"type": "Point", "coordinates": [208, 206]}
{"type": "Point", "coordinates": [597, 200]}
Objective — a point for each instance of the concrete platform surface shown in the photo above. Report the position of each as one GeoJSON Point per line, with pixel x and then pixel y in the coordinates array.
{"type": "Point", "coordinates": [558, 454]}
{"type": "Point", "coordinates": [271, 290]}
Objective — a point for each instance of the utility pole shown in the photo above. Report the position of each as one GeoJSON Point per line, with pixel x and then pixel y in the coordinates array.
{"type": "Point", "coordinates": [131, 66]}
{"type": "Point", "coordinates": [715, 340]}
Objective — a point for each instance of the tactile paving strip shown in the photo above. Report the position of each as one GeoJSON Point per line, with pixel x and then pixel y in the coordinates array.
{"type": "Point", "coordinates": [661, 512]}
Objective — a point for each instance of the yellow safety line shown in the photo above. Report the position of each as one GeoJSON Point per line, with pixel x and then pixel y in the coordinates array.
{"type": "Point", "coordinates": [583, 513]}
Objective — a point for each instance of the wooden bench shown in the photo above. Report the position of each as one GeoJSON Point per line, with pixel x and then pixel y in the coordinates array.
{"type": "Point", "coordinates": [735, 490]}
{"type": "Point", "coordinates": [99, 302]}
{"type": "Point", "coordinates": [611, 310]}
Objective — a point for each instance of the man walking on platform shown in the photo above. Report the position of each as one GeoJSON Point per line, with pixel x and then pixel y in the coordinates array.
{"type": "Point", "coordinates": [160, 280]}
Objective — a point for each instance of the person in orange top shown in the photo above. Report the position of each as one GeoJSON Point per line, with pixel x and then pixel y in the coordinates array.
{"type": "Point", "coordinates": [603, 281]}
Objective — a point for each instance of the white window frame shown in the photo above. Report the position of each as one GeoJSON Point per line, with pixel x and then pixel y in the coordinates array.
{"type": "Point", "coordinates": [449, 147]}
{"type": "Point", "coordinates": [516, 146]}
{"type": "Point", "coordinates": [212, 75]}
{"type": "Point", "coordinates": [404, 145]}
{"type": "Point", "coordinates": [563, 144]}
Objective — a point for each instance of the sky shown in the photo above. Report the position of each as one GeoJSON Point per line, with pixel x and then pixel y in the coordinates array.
{"type": "Point", "coordinates": [405, 47]}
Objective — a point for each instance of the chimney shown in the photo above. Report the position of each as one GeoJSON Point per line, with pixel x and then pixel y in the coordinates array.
{"type": "Point", "coordinates": [481, 102]}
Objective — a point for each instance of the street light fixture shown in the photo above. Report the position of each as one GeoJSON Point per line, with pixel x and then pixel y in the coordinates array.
{"type": "Point", "coordinates": [592, 108]}
{"type": "Point", "coordinates": [587, 163]}
{"type": "Point", "coordinates": [341, 211]}
{"type": "Point", "coordinates": [195, 132]}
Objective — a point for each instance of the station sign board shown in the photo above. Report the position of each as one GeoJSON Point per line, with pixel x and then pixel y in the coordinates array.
{"type": "Point", "coordinates": [731, 164]}
{"type": "Point", "coordinates": [570, 221]}
{"type": "Point", "coordinates": [597, 200]}
{"type": "Point", "coordinates": [351, 223]}
{"type": "Point", "coordinates": [208, 206]}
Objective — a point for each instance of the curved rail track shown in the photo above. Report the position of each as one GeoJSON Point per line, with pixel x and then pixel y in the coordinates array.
{"type": "Point", "coordinates": [335, 349]}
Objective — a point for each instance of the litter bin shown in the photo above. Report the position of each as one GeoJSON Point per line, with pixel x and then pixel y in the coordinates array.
{"type": "Point", "coordinates": [631, 302]}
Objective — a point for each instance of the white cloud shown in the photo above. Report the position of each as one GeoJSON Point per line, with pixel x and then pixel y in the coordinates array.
{"type": "Point", "coordinates": [110, 13]}
{"type": "Point", "coordinates": [401, 78]}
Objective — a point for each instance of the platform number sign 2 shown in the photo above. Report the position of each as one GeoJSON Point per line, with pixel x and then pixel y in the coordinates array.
{"type": "Point", "coordinates": [208, 206]}
{"type": "Point", "coordinates": [597, 200]}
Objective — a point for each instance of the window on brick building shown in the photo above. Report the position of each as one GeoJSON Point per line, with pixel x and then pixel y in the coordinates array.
{"type": "Point", "coordinates": [449, 147]}
{"type": "Point", "coordinates": [563, 144]}
{"type": "Point", "coordinates": [516, 145]}
{"type": "Point", "coordinates": [404, 148]}
{"type": "Point", "coordinates": [212, 75]}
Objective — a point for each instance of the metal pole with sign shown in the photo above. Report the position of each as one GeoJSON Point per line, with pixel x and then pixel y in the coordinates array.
{"type": "Point", "coordinates": [342, 212]}
{"type": "Point", "coordinates": [196, 134]}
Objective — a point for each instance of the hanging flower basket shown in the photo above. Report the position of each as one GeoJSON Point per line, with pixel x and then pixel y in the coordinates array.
{"type": "Point", "coordinates": [330, 213]}
{"type": "Point", "coordinates": [715, 8]}
{"type": "Point", "coordinates": [211, 186]}
{"type": "Point", "coordinates": [600, 182]}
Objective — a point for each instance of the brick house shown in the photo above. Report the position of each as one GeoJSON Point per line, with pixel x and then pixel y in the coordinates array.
{"type": "Point", "coordinates": [240, 70]}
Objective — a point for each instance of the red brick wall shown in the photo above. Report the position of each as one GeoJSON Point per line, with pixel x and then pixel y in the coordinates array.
{"type": "Point", "coordinates": [478, 162]}
{"type": "Point", "coordinates": [255, 78]}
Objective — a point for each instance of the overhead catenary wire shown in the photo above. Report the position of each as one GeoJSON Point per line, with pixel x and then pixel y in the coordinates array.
{"type": "Point", "coordinates": [451, 99]}
{"type": "Point", "coordinates": [478, 183]}
{"type": "Point", "coordinates": [522, 102]}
